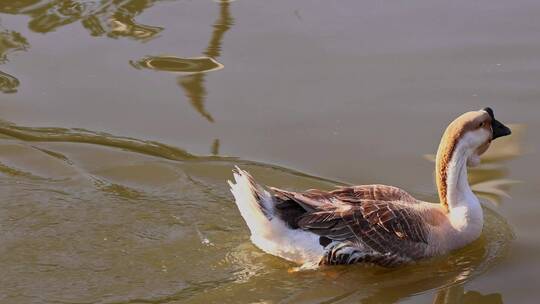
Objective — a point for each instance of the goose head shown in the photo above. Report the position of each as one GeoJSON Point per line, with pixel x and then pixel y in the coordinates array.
{"type": "Point", "coordinates": [464, 140]}
{"type": "Point", "coordinates": [474, 131]}
{"type": "Point", "coordinates": [494, 128]}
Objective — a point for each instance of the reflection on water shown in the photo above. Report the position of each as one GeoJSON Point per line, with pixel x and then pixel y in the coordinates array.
{"type": "Point", "coordinates": [193, 84]}
{"type": "Point", "coordinates": [111, 18]}
{"type": "Point", "coordinates": [222, 25]}
{"type": "Point", "coordinates": [106, 17]}
{"type": "Point", "coordinates": [116, 19]}
{"type": "Point", "coordinates": [133, 219]}
{"type": "Point", "coordinates": [215, 147]}
{"type": "Point", "coordinates": [178, 65]}
{"type": "Point", "coordinates": [122, 24]}
{"type": "Point", "coordinates": [489, 180]}
{"type": "Point", "coordinates": [10, 41]}
{"type": "Point", "coordinates": [458, 295]}
{"type": "Point", "coordinates": [8, 83]}
{"type": "Point", "coordinates": [195, 91]}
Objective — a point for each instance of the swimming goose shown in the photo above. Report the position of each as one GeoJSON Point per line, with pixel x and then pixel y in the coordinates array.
{"type": "Point", "coordinates": [375, 224]}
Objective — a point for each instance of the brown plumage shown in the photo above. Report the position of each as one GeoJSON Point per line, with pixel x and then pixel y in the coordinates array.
{"type": "Point", "coordinates": [377, 219]}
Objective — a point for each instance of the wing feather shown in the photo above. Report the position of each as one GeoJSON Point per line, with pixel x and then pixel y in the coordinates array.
{"type": "Point", "coordinates": [374, 192]}
{"type": "Point", "coordinates": [381, 218]}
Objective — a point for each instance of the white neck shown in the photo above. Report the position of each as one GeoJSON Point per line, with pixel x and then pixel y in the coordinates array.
{"type": "Point", "coordinates": [465, 212]}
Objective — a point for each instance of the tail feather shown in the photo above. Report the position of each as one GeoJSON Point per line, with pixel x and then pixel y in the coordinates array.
{"type": "Point", "coordinates": [254, 203]}
{"type": "Point", "coordinates": [268, 231]}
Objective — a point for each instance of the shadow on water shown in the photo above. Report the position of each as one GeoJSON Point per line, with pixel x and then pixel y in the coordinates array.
{"type": "Point", "coordinates": [151, 223]}
{"type": "Point", "coordinates": [196, 68]}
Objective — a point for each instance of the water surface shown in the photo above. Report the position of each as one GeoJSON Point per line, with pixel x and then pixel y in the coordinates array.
{"type": "Point", "coordinates": [121, 120]}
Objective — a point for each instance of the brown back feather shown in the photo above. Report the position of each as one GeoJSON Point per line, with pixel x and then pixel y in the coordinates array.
{"type": "Point", "coordinates": [379, 217]}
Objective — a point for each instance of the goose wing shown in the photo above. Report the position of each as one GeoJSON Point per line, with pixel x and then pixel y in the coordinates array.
{"type": "Point", "coordinates": [373, 192]}
{"type": "Point", "coordinates": [384, 220]}
{"type": "Point", "coordinates": [316, 199]}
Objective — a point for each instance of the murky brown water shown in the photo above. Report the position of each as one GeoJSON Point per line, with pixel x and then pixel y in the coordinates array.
{"type": "Point", "coordinates": [120, 122]}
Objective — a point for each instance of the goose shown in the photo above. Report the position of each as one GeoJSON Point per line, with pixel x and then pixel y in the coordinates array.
{"type": "Point", "coordinates": [374, 224]}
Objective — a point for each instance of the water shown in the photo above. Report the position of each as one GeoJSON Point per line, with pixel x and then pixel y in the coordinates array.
{"type": "Point", "coordinates": [121, 120]}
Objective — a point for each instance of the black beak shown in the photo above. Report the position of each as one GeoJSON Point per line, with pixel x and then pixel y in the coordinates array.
{"type": "Point", "coordinates": [499, 130]}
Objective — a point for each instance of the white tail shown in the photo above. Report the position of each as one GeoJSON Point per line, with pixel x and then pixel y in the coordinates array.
{"type": "Point", "coordinates": [268, 232]}
{"type": "Point", "coordinates": [249, 198]}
